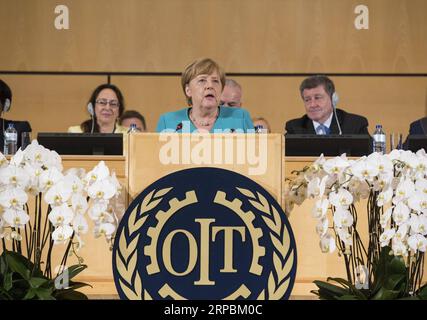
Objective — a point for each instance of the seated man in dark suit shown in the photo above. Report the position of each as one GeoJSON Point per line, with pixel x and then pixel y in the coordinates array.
{"type": "Point", "coordinates": [419, 126]}
{"type": "Point", "coordinates": [5, 103]}
{"type": "Point", "coordinates": [318, 94]}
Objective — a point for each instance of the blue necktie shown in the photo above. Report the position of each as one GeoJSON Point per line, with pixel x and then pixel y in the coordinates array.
{"type": "Point", "coordinates": [322, 129]}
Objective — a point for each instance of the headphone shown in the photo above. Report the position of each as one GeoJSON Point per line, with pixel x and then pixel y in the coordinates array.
{"type": "Point", "coordinates": [90, 109]}
{"type": "Point", "coordinates": [6, 106]}
{"type": "Point", "coordinates": [335, 99]}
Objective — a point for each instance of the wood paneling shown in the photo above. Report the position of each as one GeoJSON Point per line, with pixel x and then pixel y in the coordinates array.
{"type": "Point", "coordinates": [243, 35]}
{"type": "Point", "coordinates": [53, 103]}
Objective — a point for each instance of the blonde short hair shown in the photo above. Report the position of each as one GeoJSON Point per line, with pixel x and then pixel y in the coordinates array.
{"type": "Point", "coordinates": [198, 67]}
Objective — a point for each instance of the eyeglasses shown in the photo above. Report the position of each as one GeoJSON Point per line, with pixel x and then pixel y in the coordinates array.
{"type": "Point", "coordinates": [104, 102]}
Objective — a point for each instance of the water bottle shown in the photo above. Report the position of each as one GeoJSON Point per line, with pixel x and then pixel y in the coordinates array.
{"type": "Point", "coordinates": [379, 139]}
{"type": "Point", "coordinates": [133, 128]}
{"type": "Point", "coordinates": [260, 129]}
{"type": "Point", "coordinates": [10, 140]}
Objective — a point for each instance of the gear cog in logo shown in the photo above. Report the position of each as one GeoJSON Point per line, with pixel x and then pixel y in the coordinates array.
{"type": "Point", "coordinates": [184, 238]}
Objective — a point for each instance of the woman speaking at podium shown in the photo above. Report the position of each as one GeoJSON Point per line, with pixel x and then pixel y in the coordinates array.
{"type": "Point", "coordinates": [202, 82]}
{"type": "Point", "coordinates": [105, 107]}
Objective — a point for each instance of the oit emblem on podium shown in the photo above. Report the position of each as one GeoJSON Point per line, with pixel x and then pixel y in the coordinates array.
{"type": "Point", "coordinates": [204, 233]}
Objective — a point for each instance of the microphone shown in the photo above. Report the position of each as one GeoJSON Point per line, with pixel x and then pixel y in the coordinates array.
{"type": "Point", "coordinates": [178, 127]}
{"type": "Point", "coordinates": [335, 100]}
{"type": "Point", "coordinates": [92, 115]}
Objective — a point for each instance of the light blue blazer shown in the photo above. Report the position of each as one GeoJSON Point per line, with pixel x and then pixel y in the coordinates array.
{"type": "Point", "coordinates": [229, 120]}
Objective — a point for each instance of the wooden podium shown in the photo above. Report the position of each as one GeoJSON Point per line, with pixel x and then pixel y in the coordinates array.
{"type": "Point", "coordinates": [150, 156]}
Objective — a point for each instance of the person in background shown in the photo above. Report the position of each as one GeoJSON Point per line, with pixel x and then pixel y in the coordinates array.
{"type": "Point", "coordinates": [5, 105]}
{"type": "Point", "coordinates": [418, 126]}
{"type": "Point", "coordinates": [202, 82]}
{"type": "Point", "coordinates": [105, 106]}
{"type": "Point", "coordinates": [231, 94]}
{"type": "Point", "coordinates": [317, 93]}
{"type": "Point", "coordinates": [261, 123]}
{"type": "Point", "coordinates": [130, 117]}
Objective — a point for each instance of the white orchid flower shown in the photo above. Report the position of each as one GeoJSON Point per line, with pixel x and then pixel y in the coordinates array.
{"type": "Point", "coordinates": [80, 224]}
{"type": "Point", "coordinates": [100, 172]}
{"type": "Point", "coordinates": [62, 234]}
{"type": "Point", "coordinates": [13, 198]}
{"type": "Point", "coordinates": [2, 230]}
{"type": "Point", "coordinates": [404, 190]}
{"type": "Point", "coordinates": [53, 160]}
{"type": "Point", "coordinates": [402, 232]}
{"type": "Point", "coordinates": [365, 169]}
{"type": "Point", "coordinates": [16, 217]}
{"type": "Point", "coordinates": [327, 243]}
{"type": "Point", "coordinates": [395, 154]}
{"type": "Point", "coordinates": [383, 163]}
{"type": "Point", "coordinates": [336, 166]}
{"type": "Point", "coordinates": [322, 227]}
{"type": "Point", "coordinates": [384, 197]}
{"type": "Point", "coordinates": [418, 201]}
{"type": "Point", "coordinates": [48, 178]}
{"type": "Point", "coordinates": [385, 217]}
{"type": "Point", "coordinates": [316, 187]}
{"type": "Point", "coordinates": [344, 236]}
{"type": "Point", "coordinates": [399, 248]}
{"type": "Point", "coordinates": [79, 203]}
{"type": "Point", "coordinates": [343, 218]}
{"type": "Point", "coordinates": [36, 154]}
{"type": "Point", "coordinates": [320, 208]}
{"type": "Point", "coordinates": [33, 173]}
{"type": "Point", "coordinates": [104, 229]}
{"type": "Point", "coordinates": [400, 213]}
{"type": "Point", "coordinates": [386, 236]}
{"type": "Point", "coordinates": [421, 185]}
{"type": "Point", "coordinates": [417, 242]}
{"type": "Point", "coordinates": [3, 161]}
{"type": "Point", "coordinates": [15, 176]}
{"type": "Point", "coordinates": [61, 215]}
{"type": "Point", "coordinates": [410, 159]}
{"type": "Point", "coordinates": [418, 224]}
{"type": "Point", "coordinates": [342, 198]}
{"type": "Point", "coordinates": [58, 194]}
{"type": "Point", "coordinates": [102, 189]}
{"type": "Point", "coordinates": [17, 158]}
{"type": "Point", "coordinates": [97, 209]}
{"type": "Point", "coordinates": [75, 182]}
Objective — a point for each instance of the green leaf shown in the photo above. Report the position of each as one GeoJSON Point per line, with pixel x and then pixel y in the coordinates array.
{"type": "Point", "coordinates": [44, 294]}
{"type": "Point", "coordinates": [393, 281]}
{"type": "Point", "coordinates": [30, 295]}
{"type": "Point", "coordinates": [70, 295]}
{"type": "Point", "coordinates": [329, 290]}
{"type": "Point", "coordinates": [348, 297]}
{"type": "Point", "coordinates": [397, 266]}
{"type": "Point", "coordinates": [18, 264]}
{"type": "Point", "coordinates": [384, 294]}
{"type": "Point", "coordinates": [7, 281]}
{"type": "Point", "coordinates": [77, 285]}
{"type": "Point", "coordinates": [3, 265]}
{"type": "Point", "coordinates": [75, 270]}
{"type": "Point", "coordinates": [37, 282]}
{"type": "Point", "coordinates": [351, 288]}
{"type": "Point", "coordinates": [422, 292]}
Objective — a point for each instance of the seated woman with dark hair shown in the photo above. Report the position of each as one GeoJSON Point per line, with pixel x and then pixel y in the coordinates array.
{"type": "Point", "coordinates": [105, 106]}
{"type": "Point", "coordinates": [202, 82]}
{"type": "Point", "coordinates": [5, 104]}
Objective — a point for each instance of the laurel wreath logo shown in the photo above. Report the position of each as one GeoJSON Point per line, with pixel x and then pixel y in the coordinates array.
{"type": "Point", "coordinates": [283, 256]}
{"type": "Point", "coordinates": [126, 255]}
{"type": "Point", "coordinates": [126, 258]}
